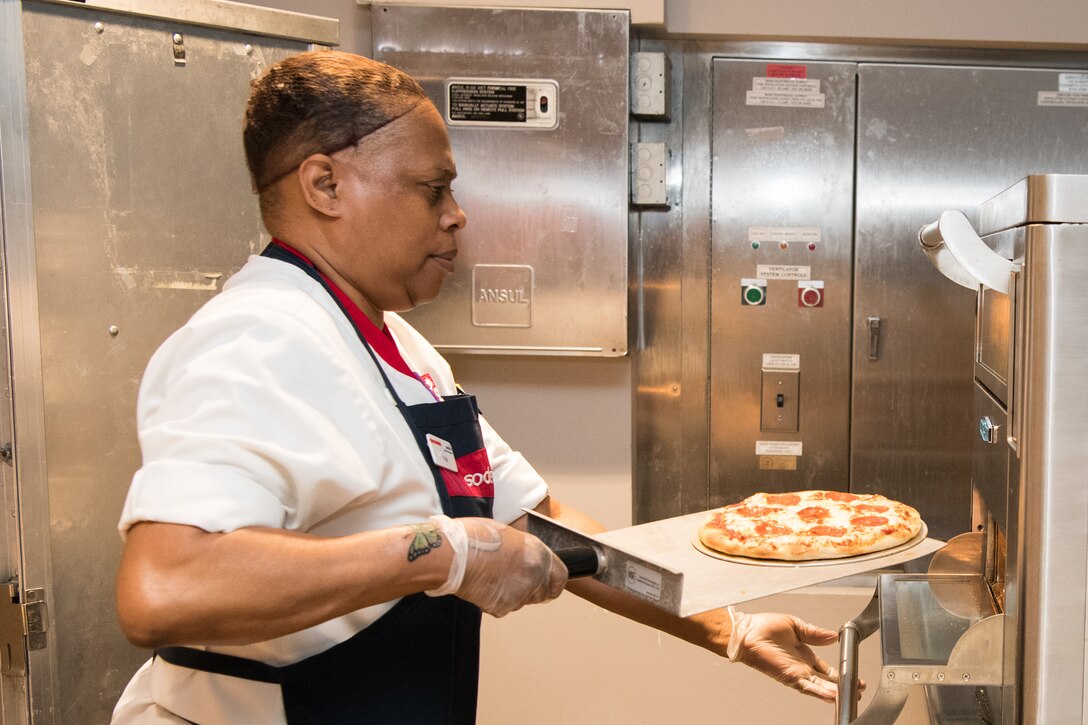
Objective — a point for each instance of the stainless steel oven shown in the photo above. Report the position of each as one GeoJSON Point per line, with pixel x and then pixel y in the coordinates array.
{"type": "Point", "coordinates": [996, 628]}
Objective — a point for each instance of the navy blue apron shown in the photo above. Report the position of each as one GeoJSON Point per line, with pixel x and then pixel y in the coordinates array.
{"type": "Point", "coordinates": [418, 663]}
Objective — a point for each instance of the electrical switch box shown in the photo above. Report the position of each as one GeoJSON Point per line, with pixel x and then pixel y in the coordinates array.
{"type": "Point", "coordinates": [781, 401]}
{"type": "Point", "coordinates": [650, 85]}
{"type": "Point", "coordinates": [648, 174]}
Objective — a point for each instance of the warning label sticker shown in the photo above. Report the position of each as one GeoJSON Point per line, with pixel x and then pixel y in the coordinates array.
{"type": "Point", "coordinates": [778, 448]}
{"type": "Point", "coordinates": [781, 70]}
{"type": "Point", "coordinates": [504, 102]}
{"type": "Point", "coordinates": [785, 93]}
{"type": "Point", "coordinates": [1069, 100]}
{"type": "Point", "coordinates": [781, 361]}
{"type": "Point", "coordinates": [1073, 82]}
{"type": "Point", "coordinates": [476, 102]}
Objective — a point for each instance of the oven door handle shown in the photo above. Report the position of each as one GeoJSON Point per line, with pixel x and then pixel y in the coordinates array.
{"type": "Point", "coordinates": [850, 636]}
{"type": "Point", "coordinates": [891, 694]}
{"type": "Point", "coordinates": [955, 249]}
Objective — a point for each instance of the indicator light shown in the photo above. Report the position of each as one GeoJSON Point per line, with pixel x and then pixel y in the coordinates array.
{"type": "Point", "coordinates": [543, 104]}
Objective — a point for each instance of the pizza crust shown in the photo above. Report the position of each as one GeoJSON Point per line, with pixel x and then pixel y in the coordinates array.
{"type": "Point", "coordinates": [808, 525]}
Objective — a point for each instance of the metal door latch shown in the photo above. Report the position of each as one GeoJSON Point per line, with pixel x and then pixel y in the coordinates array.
{"type": "Point", "coordinates": [22, 628]}
{"type": "Point", "coordinates": [179, 48]}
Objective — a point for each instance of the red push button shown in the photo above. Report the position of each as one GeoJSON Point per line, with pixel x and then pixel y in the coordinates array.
{"type": "Point", "coordinates": [810, 297]}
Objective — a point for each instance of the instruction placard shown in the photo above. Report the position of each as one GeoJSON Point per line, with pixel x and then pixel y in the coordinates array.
{"type": "Point", "coordinates": [785, 93]}
{"type": "Point", "coordinates": [778, 448]}
{"type": "Point", "coordinates": [510, 103]}
{"type": "Point", "coordinates": [783, 271]}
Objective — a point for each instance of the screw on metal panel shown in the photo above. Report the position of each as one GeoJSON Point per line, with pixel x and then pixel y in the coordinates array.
{"type": "Point", "coordinates": [891, 675]}
{"type": "Point", "coordinates": [179, 38]}
{"type": "Point", "coordinates": [99, 28]}
{"type": "Point", "coordinates": [914, 676]}
{"type": "Point", "coordinates": [966, 676]}
{"type": "Point", "coordinates": [249, 49]}
{"type": "Point", "coordinates": [114, 329]}
{"type": "Point", "coordinates": [940, 676]}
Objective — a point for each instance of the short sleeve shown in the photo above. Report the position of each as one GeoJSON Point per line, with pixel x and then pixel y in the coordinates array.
{"type": "Point", "coordinates": [252, 418]}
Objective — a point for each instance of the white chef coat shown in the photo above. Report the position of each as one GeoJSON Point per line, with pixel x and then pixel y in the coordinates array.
{"type": "Point", "coordinates": [265, 409]}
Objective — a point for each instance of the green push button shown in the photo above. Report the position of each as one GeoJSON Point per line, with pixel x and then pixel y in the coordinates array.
{"type": "Point", "coordinates": [753, 295]}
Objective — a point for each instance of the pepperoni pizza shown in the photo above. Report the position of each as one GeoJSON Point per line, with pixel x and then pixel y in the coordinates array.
{"type": "Point", "coordinates": [806, 525]}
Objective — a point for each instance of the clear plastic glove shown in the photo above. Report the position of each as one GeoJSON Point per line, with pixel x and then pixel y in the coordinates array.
{"type": "Point", "coordinates": [498, 568]}
{"type": "Point", "coordinates": [778, 646]}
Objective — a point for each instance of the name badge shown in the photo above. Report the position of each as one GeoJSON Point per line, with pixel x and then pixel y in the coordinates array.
{"type": "Point", "coordinates": [441, 453]}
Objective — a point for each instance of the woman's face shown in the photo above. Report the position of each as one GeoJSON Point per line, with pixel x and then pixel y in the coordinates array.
{"type": "Point", "coordinates": [395, 245]}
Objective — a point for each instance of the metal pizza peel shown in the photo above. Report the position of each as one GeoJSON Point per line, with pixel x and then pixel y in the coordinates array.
{"type": "Point", "coordinates": [585, 555]}
{"type": "Point", "coordinates": [661, 562]}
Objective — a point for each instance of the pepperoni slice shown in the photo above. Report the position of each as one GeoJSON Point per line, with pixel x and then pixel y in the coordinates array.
{"type": "Point", "coordinates": [753, 512]}
{"type": "Point", "coordinates": [868, 507]}
{"type": "Point", "coordinates": [770, 528]}
{"type": "Point", "coordinates": [869, 521]}
{"type": "Point", "coordinates": [834, 531]}
{"type": "Point", "coordinates": [783, 499]}
{"type": "Point", "coordinates": [840, 496]}
{"type": "Point", "coordinates": [813, 514]}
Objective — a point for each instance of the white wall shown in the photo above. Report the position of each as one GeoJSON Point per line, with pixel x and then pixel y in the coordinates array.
{"type": "Point", "coordinates": [963, 22]}
{"type": "Point", "coordinates": [986, 22]}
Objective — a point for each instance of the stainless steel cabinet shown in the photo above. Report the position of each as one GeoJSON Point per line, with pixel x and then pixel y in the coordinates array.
{"type": "Point", "coordinates": [798, 168]}
{"type": "Point", "coordinates": [125, 205]}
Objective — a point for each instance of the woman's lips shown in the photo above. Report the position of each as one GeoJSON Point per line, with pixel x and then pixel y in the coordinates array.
{"type": "Point", "coordinates": [445, 261]}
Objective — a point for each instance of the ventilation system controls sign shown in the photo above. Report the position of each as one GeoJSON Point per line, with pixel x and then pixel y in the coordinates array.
{"type": "Point", "coordinates": [508, 103]}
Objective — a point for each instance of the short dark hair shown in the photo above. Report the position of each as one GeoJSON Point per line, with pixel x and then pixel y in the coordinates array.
{"type": "Point", "coordinates": [319, 102]}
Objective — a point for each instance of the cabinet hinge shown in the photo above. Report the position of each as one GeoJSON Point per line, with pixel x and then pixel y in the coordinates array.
{"type": "Point", "coordinates": [22, 627]}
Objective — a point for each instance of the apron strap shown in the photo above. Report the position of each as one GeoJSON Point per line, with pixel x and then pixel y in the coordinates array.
{"type": "Point", "coordinates": [278, 252]}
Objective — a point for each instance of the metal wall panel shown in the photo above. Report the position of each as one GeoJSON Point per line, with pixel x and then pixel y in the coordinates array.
{"type": "Point", "coordinates": [138, 208]}
{"type": "Point", "coordinates": [932, 138]}
{"type": "Point", "coordinates": [549, 200]}
{"type": "Point", "coordinates": [782, 204]}
{"type": "Point", "coordinates": [671, 310]}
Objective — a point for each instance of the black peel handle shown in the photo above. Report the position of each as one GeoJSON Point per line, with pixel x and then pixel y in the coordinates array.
{"type": "Point", "coordinates": [580, 560]}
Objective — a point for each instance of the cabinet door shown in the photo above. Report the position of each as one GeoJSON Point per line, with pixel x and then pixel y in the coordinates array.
{"type": "Point", "coordinates": [932, 138]}
{"type": "Point", "coordinates": [141, 208]}
{"type": "Point", "coordinates": [782, 161]}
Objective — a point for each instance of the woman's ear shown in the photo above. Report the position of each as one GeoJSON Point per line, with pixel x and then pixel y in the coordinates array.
{"type": "Point", "coordinates": [317, 177]}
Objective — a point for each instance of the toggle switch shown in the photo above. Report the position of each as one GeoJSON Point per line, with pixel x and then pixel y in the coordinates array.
{"type": "Point", "coordinates": [780, 401]}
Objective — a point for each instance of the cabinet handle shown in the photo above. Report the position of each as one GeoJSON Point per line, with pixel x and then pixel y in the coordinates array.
{"type": "Point", "coordinates": [874, 337]}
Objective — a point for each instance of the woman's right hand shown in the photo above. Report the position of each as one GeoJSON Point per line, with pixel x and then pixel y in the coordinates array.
{"type": "Point", "coordinates": [502, 569]}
